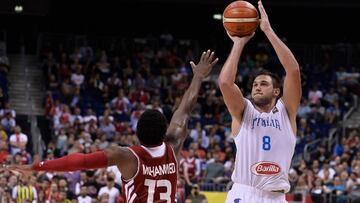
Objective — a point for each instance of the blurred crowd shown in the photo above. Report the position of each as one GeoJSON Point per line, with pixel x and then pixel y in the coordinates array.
{"type": "Point", "coordinates": [95, 97]}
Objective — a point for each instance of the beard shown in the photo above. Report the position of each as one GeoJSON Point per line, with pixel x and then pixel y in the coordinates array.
{"type": "Point", "coordinates": [262, 101]}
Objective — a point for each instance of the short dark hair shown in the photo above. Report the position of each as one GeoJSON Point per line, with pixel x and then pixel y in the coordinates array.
{"type": "Point", "coordinates": [275, 78]}
{"type": "Point", "coordinates": [151, 128]}
{"type": "Point", "coordinates": [276, 81]}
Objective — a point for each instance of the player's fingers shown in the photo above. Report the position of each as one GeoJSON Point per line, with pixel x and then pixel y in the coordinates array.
{"type": "Point", "coordinates": [207, 55]}
{"type": "Point", "coordinates": [262, 9]}
{"type": "Point", "coordinates": [202, 56]}
{"type": "Point", "coordinates": [14, 171]}
{"type": "Point", "coordinates": [192, 64]}
{"type": "Point", "coordinates": [215, 61]}
{"type": "Point", "coordinates": [211, 57]}
{"type": "Point", "coordinates": [260, 6]}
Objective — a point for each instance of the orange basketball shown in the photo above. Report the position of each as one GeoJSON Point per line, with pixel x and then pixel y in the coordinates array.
{"type": "Point", "coordinates": [240, 18]}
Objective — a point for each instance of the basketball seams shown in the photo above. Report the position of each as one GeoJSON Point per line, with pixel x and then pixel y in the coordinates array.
{"type": "Point", "coordinates": [240, 18]}
{"type": "Point", "coordinates": [245, 13]}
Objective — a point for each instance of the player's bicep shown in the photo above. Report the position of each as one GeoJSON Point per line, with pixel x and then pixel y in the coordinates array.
{"type": "Point", "coordinates": [292, 92]}
{"type": "Point", "coordinates": [234, 99]}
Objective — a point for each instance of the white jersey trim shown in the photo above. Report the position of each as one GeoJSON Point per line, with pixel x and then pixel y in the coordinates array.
{"type": "Point", "coordinates": [177, 164]}
{"type": "Point", "coordinates": [156, 152]}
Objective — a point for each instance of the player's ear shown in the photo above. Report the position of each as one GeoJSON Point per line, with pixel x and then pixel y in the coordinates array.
{"type": "Point", "coordinates": [276, 92]}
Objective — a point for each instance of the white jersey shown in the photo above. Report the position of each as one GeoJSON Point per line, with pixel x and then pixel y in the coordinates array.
{"type": "Point", "coordinates": [265, 145]}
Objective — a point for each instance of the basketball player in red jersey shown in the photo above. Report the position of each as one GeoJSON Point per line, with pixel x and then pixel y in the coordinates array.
{"type": "Point", "coordinates": [149, 171]}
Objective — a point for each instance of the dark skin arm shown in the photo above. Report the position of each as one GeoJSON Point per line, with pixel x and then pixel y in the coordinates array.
{"type": "Point", "coordinates": [177, 130]}
{"type": "Point", "coordinates": [123, 158]}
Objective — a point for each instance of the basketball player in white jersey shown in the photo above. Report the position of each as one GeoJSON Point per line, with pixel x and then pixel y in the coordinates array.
{"type": "Point", "coordinates": [264, 127]}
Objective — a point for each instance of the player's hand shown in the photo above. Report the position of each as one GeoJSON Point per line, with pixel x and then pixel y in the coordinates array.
{"type": "Point", "coordinates": [264, 21]}
{"type": "Point", "coordinates": [206, 63]}
{"type": "Point", "coordinates": [24, 170]}
{"type": "Point", "coordinates": [241, 40]}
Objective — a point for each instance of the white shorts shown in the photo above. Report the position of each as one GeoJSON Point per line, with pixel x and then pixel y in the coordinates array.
{"type": "Point", "coordinates": [245, 194]}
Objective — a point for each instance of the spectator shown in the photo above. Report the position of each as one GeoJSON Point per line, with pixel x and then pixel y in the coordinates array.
{"type": "Point", "coordinates": [78, 78]}
{"type": "Point", "coordinates": [8, 122]}
{"type": "Point", "coordinates": [24, 192]}
{"type": "Point", "coordinates": [3, 134]}
{"type": "Point", "coordinates": [3, 151]}
{"type": "Point", "coordinates": [110, 189]}
{"type": "Point", "coordinates": [215, 171]}
{"type": "Point", "coordinates": [107, 128]}
{"type": "Point", "coordinates": [81, 183]}
{"type": "Point", "coordinates": [63, 198]}
{"type": "Point", "coordinates": [121, 105]}
{"type": "Point", "coordinates": [83, 196]}
{"type": "Point", "coordinates": [5, 190]}
{"type": "Point", "coordinates": [318, 191]}
{"type": "Point", "coordinates": [191, 171]}
{"type": "Point", "coordinates": [196, 196]}
{"type": "Point", "coordinates": [315, 95]}
{"type": "Point", "coordinates": [18, 141]}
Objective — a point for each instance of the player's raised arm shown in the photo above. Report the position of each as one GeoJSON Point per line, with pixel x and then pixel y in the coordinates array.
{"type": "Point", "coordinates": [177, 130]}
{"type": "Point", "coordinates": [292, 83]}
{"type": "Point", "coordinates": [232, 95]}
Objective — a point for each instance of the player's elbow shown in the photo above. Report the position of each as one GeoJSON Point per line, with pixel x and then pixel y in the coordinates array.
{"type": "Point", "coordinates": [295, 71]}
{"type": "Point", "coordinates": [295, 68]}
{"type": "Point", "coordinates": [223, 82]}
{"type": "Point", "coordinates": [225, 86]}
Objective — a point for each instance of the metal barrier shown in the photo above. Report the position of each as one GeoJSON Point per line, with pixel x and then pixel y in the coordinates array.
{"type": "Point", "coordinates": [38, 144]}
{"type": "Point", "coordinates": [348, 114]}
{"type": "Point", "coordinates": [333, 138]}
{"type": "Point", "coordinates": [311, 147]}
{"type": "Point", "coordinates": [333, 134]}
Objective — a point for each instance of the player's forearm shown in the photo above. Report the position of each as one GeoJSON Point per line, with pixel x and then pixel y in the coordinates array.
{"type": "Point", "coordinates": [176, 133]}
{"type": "Point", "coordinates": [287, 59]}
{"type": "Point", "coordinates": [74, 162]}
{"type": "Point", "coordinates": [190, 97]}
{"type": "Point", "coordinates": [229, 69]}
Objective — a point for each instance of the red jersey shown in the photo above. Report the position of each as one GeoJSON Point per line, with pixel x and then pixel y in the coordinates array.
{"type": "Point", "coordinates": [155, 180]}
{"type": "Point", "coordinates": [181, 167]}
{"type": "Point", "coordinates": [190, 164]}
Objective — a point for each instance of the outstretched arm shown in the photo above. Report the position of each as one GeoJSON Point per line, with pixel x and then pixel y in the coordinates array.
{"type": "Point", "coordinates": [120, 156]}
{"type": "Point", "coordinates": [177, 130]}
{"type": "Point", "coordinates": [292, 82]}
{"type": "Point", "coordinates": [233, 98]}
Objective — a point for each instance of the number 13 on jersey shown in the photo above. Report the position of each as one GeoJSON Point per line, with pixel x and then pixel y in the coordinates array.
{"type": "Point", "coordinates": [266, 143]}
{"type": "Point", "coordinates": [152, 184]}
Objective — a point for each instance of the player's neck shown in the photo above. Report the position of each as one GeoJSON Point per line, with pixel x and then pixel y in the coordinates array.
{"type": "Point", "coordinates": [266, 108]}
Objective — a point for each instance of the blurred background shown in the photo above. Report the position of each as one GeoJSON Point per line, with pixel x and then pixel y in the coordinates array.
{"type": "Point", "coordinates": [75, 76]}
